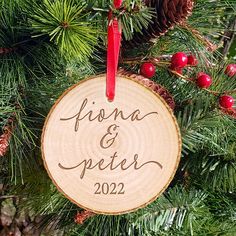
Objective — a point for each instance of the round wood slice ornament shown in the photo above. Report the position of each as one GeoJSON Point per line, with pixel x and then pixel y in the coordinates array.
{"type": "Point", "coordinates": [111, 157]}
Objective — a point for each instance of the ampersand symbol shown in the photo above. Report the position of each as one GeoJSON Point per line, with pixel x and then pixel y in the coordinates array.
{"type": "Point", "coordinates": [107, 140]}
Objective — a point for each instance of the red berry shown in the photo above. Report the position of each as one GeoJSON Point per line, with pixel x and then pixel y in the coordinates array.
{"type": "Point", "coordinates": [226, 101]}
{"type": "Point", "coordinates": [230, 70]}
{"type": "Point", "coordinates": [200, 73]}
{"type": "Point", "coordinates": [147, 69]}
{"type": "Point", "coordinates": [204, 81]}
{"type": "Point", "coordinates": [192, 60]}
{"type": "Point", "coordinates": [179, 60]}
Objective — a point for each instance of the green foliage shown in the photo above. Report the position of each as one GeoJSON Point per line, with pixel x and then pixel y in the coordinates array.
{"type": "Point", "coordinates": [176, 209]}
{"type": "Point", "coordinates": [212, 18]}
{"type": "Point", "coordinates": [136, 18]}
{"type": "Point", "coordinates": [103, 225]}
{"type": "Point", "coordinates": [214, 172]}
{"type": "Point", "coordinates": [196, 124]}
{"type": "Point", "coordinates": [66, 25]}
{"type": "Point", "coordinates": [54, 44]}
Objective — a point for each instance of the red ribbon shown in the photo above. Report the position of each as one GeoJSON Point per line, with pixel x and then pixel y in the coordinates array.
{"type": "Point", "coordinates": [113, 49]}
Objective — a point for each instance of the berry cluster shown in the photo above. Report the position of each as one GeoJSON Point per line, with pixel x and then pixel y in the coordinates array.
{"type": "Point", "coordinates": [179, 61]}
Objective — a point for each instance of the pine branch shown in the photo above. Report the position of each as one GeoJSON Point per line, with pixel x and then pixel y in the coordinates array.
{"type": "Point", "coordinates": [34, 72]}
{"type": "Point", "coordinates": [66, 25]}
{"type": "Point", "coordinates": [215, 172]}
{"type": "Point", "coordinates": [134, 19]}
{"type": "Point", "coordinates": [175, 210]}
{"type": "Point", "coordinates": [229, 37]}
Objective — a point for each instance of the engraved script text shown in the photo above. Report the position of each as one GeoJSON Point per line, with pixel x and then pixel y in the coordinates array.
{"type": "Point", "coordinates": [87, 164]}
{"type": "Point", "coordinates": [107, 141]}
{"type": "Point", "coordinates": [102, 115]}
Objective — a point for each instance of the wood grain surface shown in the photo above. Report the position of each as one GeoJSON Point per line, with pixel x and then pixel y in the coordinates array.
{"type": "Point", "coordinates": [111, 157]}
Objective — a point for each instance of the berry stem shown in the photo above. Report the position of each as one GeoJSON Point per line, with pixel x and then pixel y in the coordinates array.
{"type": "Point", "coordinates": [230, 91]}
{"type": "Point", "coordinates": [162, 64]}
{"type": "Point", "coordinates": [215, 93]}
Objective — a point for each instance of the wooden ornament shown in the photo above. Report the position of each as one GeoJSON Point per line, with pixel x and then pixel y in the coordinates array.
{"type": "Point", "coordinates": [111, 157]}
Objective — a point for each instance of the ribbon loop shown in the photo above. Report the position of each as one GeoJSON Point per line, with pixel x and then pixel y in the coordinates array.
{"type": "Point", "coordinates": [113, 49]}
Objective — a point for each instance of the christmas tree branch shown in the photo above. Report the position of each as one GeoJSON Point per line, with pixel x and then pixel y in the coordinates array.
{"type": "Point", "coordinates": [166, 64]}
{"type": "Point", "coordinates": [229, 37]}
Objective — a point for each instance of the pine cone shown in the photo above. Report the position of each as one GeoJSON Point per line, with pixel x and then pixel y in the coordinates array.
{"type": "Point", "coordinates": [168, 14]}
